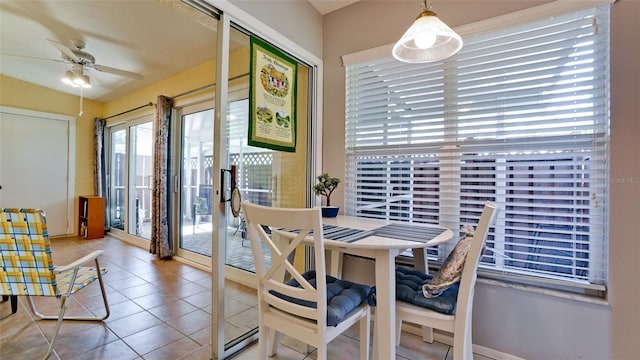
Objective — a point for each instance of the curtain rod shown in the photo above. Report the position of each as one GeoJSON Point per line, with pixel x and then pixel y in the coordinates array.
{"type": "Point", "coordinates": [130, 110]}
{"type": "Point", "coordinates": [176, 96]}
{"type": "Point", "coordinates": [206, 86]}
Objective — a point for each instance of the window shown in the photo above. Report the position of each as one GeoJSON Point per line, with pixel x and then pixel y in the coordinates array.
{"type": "Point", "coordinates": [519, 116]}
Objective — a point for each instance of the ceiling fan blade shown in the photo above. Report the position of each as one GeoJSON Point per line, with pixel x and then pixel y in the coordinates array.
{"type": "Point", "coordinates": [32, 58]}
{"type": "Point", "coordinates": [115, 71]}
{"type": "Point", "coordinates": [65, 50]}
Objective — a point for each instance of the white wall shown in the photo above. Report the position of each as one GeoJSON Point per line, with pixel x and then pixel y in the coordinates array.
{"type": "Point", "coordinates": [525, 324]}
{"type": "Point", "coordinates": [624, 233]}
{"type": "Point", "coordinates": [295, 19]}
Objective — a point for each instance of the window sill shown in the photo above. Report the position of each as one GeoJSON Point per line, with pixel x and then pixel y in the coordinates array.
{"type": "Point", "coordinates": [591, 299]}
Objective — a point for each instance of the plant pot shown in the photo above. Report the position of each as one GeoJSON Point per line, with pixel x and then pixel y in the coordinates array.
{"type": "Point", "coordinates": [330, 211]}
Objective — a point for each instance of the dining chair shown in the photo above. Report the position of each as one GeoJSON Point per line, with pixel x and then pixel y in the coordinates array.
{"type": "Point", "coordinates": [28, 270]}
{"type": "Point", "coordinates": [445, 300]}
{"type": "Point", "coordinates": [309, 306]}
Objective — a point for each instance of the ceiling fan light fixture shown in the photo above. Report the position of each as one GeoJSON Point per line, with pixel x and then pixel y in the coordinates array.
{"type": "Point", "coordinates": [427, 40]}
{"type": "Point", "coordinates": [76, 78]}
{"type": "Point", "coordinates": [87, 83]}
{"type": "Point", "coordinates": [68, 78]}
{"type": "Point", "coordinates": [82, 80]}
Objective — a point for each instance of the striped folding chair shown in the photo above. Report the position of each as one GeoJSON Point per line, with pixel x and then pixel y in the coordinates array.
{"type": "Point", "coordinates": [28, 270]}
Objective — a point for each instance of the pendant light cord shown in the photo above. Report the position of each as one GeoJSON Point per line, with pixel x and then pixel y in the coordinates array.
{"type": "Point", "coordinates": [80, 114]}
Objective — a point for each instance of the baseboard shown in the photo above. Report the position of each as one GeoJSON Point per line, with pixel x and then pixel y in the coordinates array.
{"type": "Point", "coordinates": [448, 340]}
{"type": "Point", "coordinates": [192, 263]}
{"type": "Point", "coordinates": [240, 276]}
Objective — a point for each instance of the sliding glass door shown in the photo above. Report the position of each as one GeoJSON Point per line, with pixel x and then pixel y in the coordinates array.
{"type": "Point", "coordinates": [196, 182]}
{"type": "Point", "coordinates": [129, 179]}
{"type": "Point", "coordinates": [140, 170]}
{"type": "Point", "coordinates": [206, 147]}
{"type": "Point", "coordinates": [263, 176]}
{"type": "Point", "coordinates": [117, 175]}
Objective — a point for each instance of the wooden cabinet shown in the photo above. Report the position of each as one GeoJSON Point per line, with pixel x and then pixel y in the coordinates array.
{"type": "Point", "coordinates": [91, 217]}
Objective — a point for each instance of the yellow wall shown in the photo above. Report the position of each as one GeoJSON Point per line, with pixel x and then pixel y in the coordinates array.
{"type": "Point", "coordinates": [194, 78]}
{"type": "Point", "coordinates": [201, 75]}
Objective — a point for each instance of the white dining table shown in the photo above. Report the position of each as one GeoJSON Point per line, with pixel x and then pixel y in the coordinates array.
{"type": "Point", "coordinates": [382, 249]}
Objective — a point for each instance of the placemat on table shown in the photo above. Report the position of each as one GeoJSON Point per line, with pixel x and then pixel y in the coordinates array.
{"type": "Point", "coordinates": [339, 233]}
{"type": "Point", "coordinates": [408, 232]}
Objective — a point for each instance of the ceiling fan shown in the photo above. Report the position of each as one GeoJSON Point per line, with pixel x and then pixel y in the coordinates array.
{"type": "Point", "coordinates": [80, 58]}
{"type": "Point", "coordinates": [80, 61]}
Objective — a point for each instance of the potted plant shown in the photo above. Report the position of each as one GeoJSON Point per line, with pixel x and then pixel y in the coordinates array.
{"type": "Point", "coordinates": [325, 187]}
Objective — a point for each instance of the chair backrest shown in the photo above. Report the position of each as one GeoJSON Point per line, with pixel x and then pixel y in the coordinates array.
{"type": "Point", "coordinates": [273, 279]}
{"type": "Point", "coordinates": [464, 304]}
{"type": "Point", "coordinates": [25, 254]}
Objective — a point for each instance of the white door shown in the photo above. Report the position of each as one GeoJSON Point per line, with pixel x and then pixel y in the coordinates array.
{"type": "Point", "coordinates": [35, 165]}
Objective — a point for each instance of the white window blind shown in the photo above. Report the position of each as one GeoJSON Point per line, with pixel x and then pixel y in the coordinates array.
{"type": "Point", "coordinates": [519, 116]}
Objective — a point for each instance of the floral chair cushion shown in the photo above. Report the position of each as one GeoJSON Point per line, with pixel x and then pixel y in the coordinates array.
{"type": "Point", "coordinates": [451, 270]}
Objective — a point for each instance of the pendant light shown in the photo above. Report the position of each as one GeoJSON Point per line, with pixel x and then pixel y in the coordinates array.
{"type": "Point", "coordinates": [428, 39]}
{"type": "Point", "coordinates": [77, 78]}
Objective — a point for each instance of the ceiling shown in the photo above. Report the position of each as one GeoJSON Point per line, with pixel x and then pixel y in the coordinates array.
{"type": "Point", "coordinates": [326, 6]}
{"type": "Point", "coordinates": [135, 36]}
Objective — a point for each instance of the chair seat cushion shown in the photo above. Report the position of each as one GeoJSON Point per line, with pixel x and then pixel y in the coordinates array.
{"type": "Point", "coordinates": [409, 285]}
{"type": "Point", "coordinates": [343, 296]}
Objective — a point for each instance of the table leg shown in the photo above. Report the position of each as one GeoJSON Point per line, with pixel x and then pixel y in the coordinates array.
{"type": "Point", "coordinates": [385, 319]}
{"type": "Point", "coordinates": [335, 263]}
{"type": "Point", "coordinates": [420, 261]}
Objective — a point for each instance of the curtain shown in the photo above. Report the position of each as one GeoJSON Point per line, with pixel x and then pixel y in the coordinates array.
{"type": "Point", "coordinates": [99, 172]}
{"type": "Point", "coordinates": [160, 239]}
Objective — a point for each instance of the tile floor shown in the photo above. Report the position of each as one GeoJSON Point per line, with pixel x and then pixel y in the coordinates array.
{"type": "Point", "coordinates": [159, 310]}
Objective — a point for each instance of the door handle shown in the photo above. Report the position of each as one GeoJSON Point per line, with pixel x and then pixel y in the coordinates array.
{"type": "Point", "coordinates": [232, 173]}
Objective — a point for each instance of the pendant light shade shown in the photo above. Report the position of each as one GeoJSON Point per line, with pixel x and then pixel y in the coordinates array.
{"type": "Point", "coordinates": [68, 78]}
{"type": "Point", "coordinates": [76, 77]}
{"type": "Point", "coordinates": [428, 39]}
